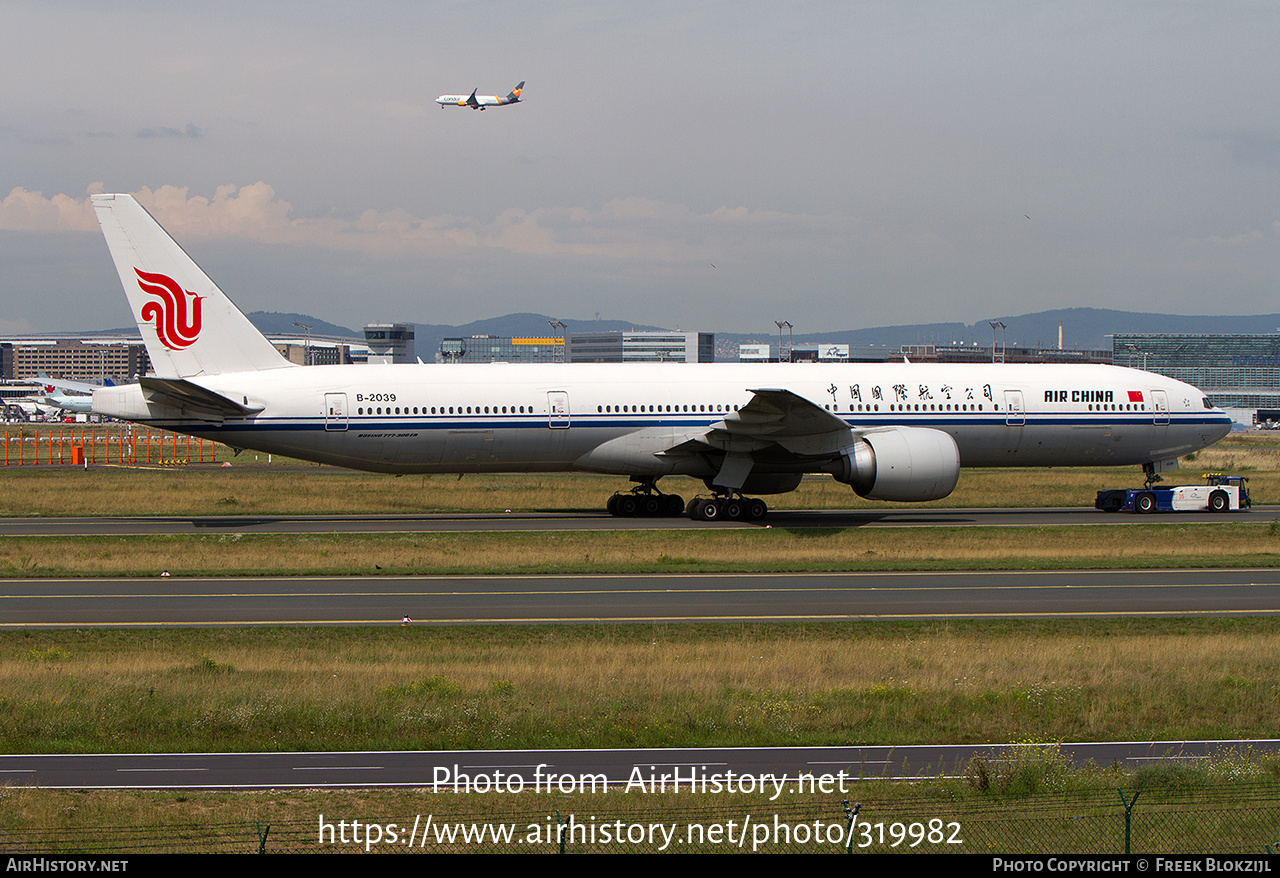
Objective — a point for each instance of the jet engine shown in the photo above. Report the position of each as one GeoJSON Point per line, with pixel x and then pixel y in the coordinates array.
{"type": "Point", "coordinates": [907, 464]}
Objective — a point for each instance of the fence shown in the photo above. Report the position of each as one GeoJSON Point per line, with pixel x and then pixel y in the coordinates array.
{"type": "Point", "coordinates": [1242, 820]}
{"type": "Point", "coordinates": [120, 445]}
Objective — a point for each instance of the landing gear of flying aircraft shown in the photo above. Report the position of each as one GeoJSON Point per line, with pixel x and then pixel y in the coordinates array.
{"type": "Point", "coordinates": [730, 506]}
{"type": "Point", "coordinates": [645, 501]}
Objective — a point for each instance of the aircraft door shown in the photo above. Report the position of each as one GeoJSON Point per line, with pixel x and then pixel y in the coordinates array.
{"type": "Point", "coordinates": [1160, 400]}
{"type": "Point", "coordinates": [335, 412]}
{"type": "Point", "coordinates": [1015, 414]}
{"type": "Point", "coordinates": [558, 409]}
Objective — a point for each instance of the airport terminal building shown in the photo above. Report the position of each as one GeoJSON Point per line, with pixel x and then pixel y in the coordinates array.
{"type": "Point", "coordinates": [1240, 373]}
{"type": "Point", "coordinates": [583, 347]}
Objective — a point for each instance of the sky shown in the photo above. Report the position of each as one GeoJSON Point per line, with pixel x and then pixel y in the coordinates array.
{"type": "Point", "coordinates": [702, 166]}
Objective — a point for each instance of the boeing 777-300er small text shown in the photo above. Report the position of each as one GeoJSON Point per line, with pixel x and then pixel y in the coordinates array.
{"type": "Point", "coordinates": [891, 431]}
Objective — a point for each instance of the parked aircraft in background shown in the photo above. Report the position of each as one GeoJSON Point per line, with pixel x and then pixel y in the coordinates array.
{"type": "Point", "coordinates": [73, 386]}
{"type": "Point", "coordinates": [30, 408]}
{"type": "Point", "coordinates": [79, 402]}
{"type": "Point", "coordinates": [76, 405]}
{"type": "Point", "coordinates": [892, 431]}
{"type": "Point", "coordinates": [480, 102]}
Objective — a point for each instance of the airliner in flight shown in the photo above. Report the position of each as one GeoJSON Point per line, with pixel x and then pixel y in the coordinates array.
{"type": "Point", "coordinates": [480, 102]}
{"type": "Point", "coordinates": [891, 431]}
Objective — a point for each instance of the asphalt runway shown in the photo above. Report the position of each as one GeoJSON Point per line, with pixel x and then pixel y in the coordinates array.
{"type": "Point", "coordinates": [310, 600]}
{"type": "Point", "coordinates": [532, 522]}
{"type": "Point", "coordinates": [781, 772]}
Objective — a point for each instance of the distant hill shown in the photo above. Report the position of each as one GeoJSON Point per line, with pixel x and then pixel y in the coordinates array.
{"type": "Point", "coordinates": [277, 323]}
{"type": "Point", "coordinates": [1082, 329]}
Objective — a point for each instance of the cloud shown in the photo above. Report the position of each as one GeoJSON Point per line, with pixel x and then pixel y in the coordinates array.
{"type": "Point", "coordinates": [633, 229]}
{"type": "Point", "coordinates": [1249, 238]}
{"type": "Point", "coordinates": [23, 211]}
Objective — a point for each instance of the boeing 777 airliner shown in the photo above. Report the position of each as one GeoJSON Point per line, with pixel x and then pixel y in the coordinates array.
{"type": "Point", "coordinates": [892, 431]}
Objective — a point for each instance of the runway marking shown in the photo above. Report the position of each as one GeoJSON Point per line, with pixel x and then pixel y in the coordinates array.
{"type": "Point", "coordinates": [533, 620]}
{"type": "Point", "coordinates": [853, 589]}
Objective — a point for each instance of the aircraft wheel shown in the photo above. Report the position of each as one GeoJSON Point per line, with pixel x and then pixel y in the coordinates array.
{"type": "Point", "coordinates": [612, 505]}
{"type": "Point", "coordinates": [706, 510]}
{"type": "Point", "coordinates": [672, 505]}
{"type": "Point", "coordinates": [1145, 502]}
{"type": "Point", "coordinates": [734, 510]}
{"type": "Point", "coordinates": [756, 509]}
{"type": "Point", "coordinates": [652, 506]}
{"type": "Point", "coordinates": [627, 506]}
{"type": "Point", "coordinates": [1219, 502]}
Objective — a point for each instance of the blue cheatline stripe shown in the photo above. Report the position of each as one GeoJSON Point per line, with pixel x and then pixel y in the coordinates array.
{"type": "Point", "coordinates": [358, 423]}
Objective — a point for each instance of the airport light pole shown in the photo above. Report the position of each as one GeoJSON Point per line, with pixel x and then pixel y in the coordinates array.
{"type": "Point", "coordinates": [306, 347]}
{"type": "Point", "coordinates": [781, 325]}
{"type": "Point", "coordinates": [558, 355]}
{"type": "Point", "coordinates": [1134, 348]}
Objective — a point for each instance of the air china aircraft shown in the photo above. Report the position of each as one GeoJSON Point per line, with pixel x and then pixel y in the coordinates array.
{"type": "Point", "coordinates": [482, 101]}
{"type": "Point", "coordinates": [893, 431]}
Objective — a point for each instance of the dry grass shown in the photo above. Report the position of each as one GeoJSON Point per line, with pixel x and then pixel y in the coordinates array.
{"type": "Point", "coordinates": [1236, 544]}
{"type": "Point", "coordinates": [275, 689]}
{"type": "Point", "coordinates": [298, 488]}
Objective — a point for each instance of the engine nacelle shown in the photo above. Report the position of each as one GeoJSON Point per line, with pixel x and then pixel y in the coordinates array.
{"type": "Point", "coordinates": [909, 464]}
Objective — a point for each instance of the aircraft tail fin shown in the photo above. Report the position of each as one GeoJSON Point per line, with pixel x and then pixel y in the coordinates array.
{"type": "Point", "coordinates": [515, 93]}
{"type": "Point", "coordinates": [189, 326]}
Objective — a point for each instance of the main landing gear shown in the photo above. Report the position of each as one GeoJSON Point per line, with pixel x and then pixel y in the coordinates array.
{"type": "Point", "coordinates": [645, 501]}
{"type": "Point", "coordinates": [734, 507]}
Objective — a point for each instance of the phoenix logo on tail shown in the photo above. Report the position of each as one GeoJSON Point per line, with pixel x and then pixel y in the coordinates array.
{"type": "Point", "coordinates": [175, 327]}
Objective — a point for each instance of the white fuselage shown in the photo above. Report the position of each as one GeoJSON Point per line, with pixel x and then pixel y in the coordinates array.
{"type": "Point", "coordinates": [525, 418]}
{"type": "Point", "coordinates": [481, 101]}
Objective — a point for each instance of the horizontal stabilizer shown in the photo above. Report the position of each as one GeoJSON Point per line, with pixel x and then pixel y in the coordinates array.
{"type": "Point", "coordinates": [193, 400]}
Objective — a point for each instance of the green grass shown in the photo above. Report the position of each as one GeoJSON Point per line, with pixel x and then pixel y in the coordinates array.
{"type": "Point", "coordinates": [276, 689]}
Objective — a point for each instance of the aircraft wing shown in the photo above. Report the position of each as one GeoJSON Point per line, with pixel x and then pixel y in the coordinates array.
{"type": "Point", "coordinates": [780, 417]}
{"type": "Point", "coordinates": [193, 400]}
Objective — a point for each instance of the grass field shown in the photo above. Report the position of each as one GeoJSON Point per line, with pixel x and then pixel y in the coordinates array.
{"type": "Point", "coordinates": [637, 686]}
{"type": "Point", "coordinates": [1231, 543]}
{"type": "Point", "coordinates": [288, 487]}
{"type": "Point", "coordinates": [600, 686]}
{"type": "Point", "coordinates": [657, 686]}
